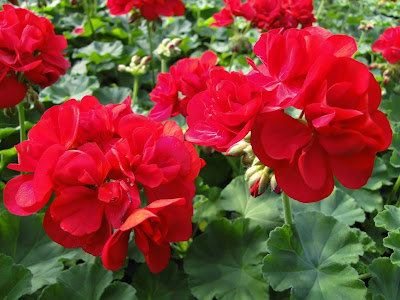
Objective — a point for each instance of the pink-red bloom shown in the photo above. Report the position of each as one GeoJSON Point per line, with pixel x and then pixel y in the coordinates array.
{"type": "Point", "coordinates": [267, 14]}
{"type": "Point", "coordinates": [340, 135]}
{"type": "Point", "coordinates": [95, 158]}
{"type": "Point", "coordinates": [12, 91]}
{"type": "Point", "coordinates": [155, 226]}
{"type": "Point", "coordinates": [149, 9]}
{"type": "Point", "coordinates": [189, 78]}
{"type": "Point", "coordinates": [389, 44]}
{"type": "Point", "coordinates": [287, 56]}
{"type": "Point", "coordinates": [28, 44]}
{"type": "Point", "coordinates": [224, 113]}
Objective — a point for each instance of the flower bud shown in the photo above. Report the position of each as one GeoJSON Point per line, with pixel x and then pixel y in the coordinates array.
{"type": "Point", "coordinates": [251, 172]}
{"type": "Point", "coordinates": [237, 149]}
{"type": "Point", "coordinates": [274, 185]}
{"type": "Point", "coordinates": [10, 111]}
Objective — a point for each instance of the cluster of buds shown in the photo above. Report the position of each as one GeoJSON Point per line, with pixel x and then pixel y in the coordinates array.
{"type": "Point", "coordinates": [389, 72]}
{"type": "Point", "coordinates": [138, 65]}
{"type": "Point", "coordinates": [258, 176]}
{"type": "Point", "coordinates": [168, 48]}
{"type": "Point", "coordinates": [240, 44]}
{"type": "Point", "coordinates": [366, 25]}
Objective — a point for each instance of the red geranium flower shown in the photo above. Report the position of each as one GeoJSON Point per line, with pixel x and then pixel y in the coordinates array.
{"type": "Point", "coordinates": [342, 134]}
{"type": "Point", "coordinates": [389, 44]}
{"type": "Point", "coordinates": [224, 113]}
{"type": "Point", "coordinates": [149, 9]}
{"type": "Point", "coordinates": [233, 8]}
{"type": "Point", "coordinates": [28, 44]}
{"type": "Point", "coordinates": [94, 158]}
{"type": "Point", "coordinates": [155, 226]}
{"type": "Point", "coordinates": [287, 57]}
{"type": "Point", "coordinates": [188, 77]}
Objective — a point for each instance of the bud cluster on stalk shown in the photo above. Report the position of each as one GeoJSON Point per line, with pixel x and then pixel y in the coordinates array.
{"type": "Point", "coordinates": [168, 48]}
{"type": "Point", "coordinates": [258, 176]}
{"type": "Point", "coordinates": [367, 25]}
{"type": "Point", "coordinates": [137, 66]}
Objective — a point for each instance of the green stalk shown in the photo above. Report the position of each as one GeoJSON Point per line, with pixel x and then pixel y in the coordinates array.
{"type": "Point", "coordinates": [394, 192]}
{"type": "Point", "coordinates": [88, 17]}
{"type": "Point", "coordinates": [286, 209]}
{"type": "Point", "coordinates": [321, 5]}
{"type": "Point", "coordinates": [360, 39]}
{"type": "Point", "coordinates": [153, 76]}
{"type": "Point", "coordinates": [232, 60]}
{"type": "Point", "coordinates": [21, 115]}
{"type": "Point", "coordinates": [135, 89]}
{"type": "Point", "coordinates": [163, 65]}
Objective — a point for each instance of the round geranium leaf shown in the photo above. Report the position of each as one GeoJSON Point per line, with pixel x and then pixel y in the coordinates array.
{"type": "Point", "coordinates": [170, 283]}
{"type": "Point", "coordinates": [81, 282]}
{"type": "Point", "coordinates": [312, 258]}
{"type": "Point", "coordinates": [385, 281]}
{"type": "Point", "coordinates": [24, 239]}
{"type": "Point", "coordinates": [225, 262]}
{"type": "Point", "coordinates": [338, 205]}
{"type": "Point", "coordinates": [262, 210]}
{"type": "Point", "coordinates": [389, 218]}
{"type": "Point", "coordinates": [392, 241]}
{"type": "Point", "coordinates": [15, 280]}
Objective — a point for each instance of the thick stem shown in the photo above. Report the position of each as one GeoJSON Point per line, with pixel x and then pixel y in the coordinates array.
{"type": "Point", "coordinates": [360, 40]}
{"type": "Point", "coordinates": [21, 115]}
{"type": "Point", "coordinates": [163, 65]}
{"type": "Point", "coordinates": [394, 192]}
{"type": "Point", "coordinates": [232, 60]}
{"type": "Point", "coordinates": [286, 209]}
{"type": "Point", "coordinates": [87, 10]}
{"type": "Point", "coordinates": [150, 39]}
{"type": "Point", "coordinates": [321, 5]}
{"type": "Point", "coordinates": [364, 276]}
{"type": "Point", "coordinates": [135, 89]}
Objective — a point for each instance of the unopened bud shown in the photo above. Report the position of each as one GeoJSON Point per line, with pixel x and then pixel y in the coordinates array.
{"type": "Point", "coordinates": [247, 159]}
{"type": "Point", "coordinates": [250, 172]}
{"type": "Point", "coordinates": [10, 111]}
{"type": "Point", "coordinates": [237, 149]}
{"type": "Point", "coordinates": [39, 106]}
{"type": "Point", "coordinates": [274, 185]}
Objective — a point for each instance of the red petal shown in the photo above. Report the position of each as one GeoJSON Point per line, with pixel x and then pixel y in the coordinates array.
{"type": "Point", "coordinates": [115, 250]}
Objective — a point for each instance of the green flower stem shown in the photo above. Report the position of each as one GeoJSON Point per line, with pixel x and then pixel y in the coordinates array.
{"type": "Point", "coordinates": [321, 5]}
{"type": "Point", "coordinates": [153, 76]}
{"type": "Point", "coordinates": [163, 65]}
{"type": "Point", "coordinates": [394, 192]}
{"type": "Point", "coordinates": [87, 10]}
{"type": "Point", "coordinates": [21, 115]}
{"type": "Point", "coordinates": [286, 209]}
{"type": "Point", "coordinates": [135, 89]}
{"type": "Point", "coordinates": [232, 60]}
{"type": "Point", "coordinates": [360, 40]}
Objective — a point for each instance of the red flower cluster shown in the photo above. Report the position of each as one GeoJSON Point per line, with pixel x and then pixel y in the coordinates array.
{"type": "Point", "coordinates": [267, 14]}
{"type": "Point", "coordinates": [95, 159]}
{"type": "Point", "coordinates": [149, 9]}
{"type": "Point", "coordinates": [389, 44]}
{"type": "Point", "coordinates": [189, 78]}
{"type": "Point", "coordinates": [338, 128]}
{"type": "Point", "coordinates": [28, 44]}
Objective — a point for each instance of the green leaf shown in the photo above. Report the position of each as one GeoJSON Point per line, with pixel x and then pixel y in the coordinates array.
{"type": "Point", "coordinates": [107, 95]}
{"type": "Point", "coordinates": [15, 280]}
{"type": "Point", "coordinates": [82, 282]}
{"type": "Point", "coordinates": [99, 51]}
{"type": "Point", "coordinates": [312, 257]}
{"type": "Point", "coordinates": [379, 176]}
{"type": "Point", "coordinates": [368, 200]}
{"type": "Point", "coordinates": [385, 281]}
{"type": "Point", "coordinates": [262, 210]}
{"type": "Point", "coordinates": [225, 261]}
{"type": "Point", "coordinates": [24, 239]}
{"type": "Point", "coordinates": [69, 87]}
{"type": "Point", "coordinates": [388, 218]}
{"type": "Point", "coordinates": [170, 283]}
{"type": "Point", "coordinates": [119, 290]}
{"type": "Point", "coordinates": [338, 205]}
{"type": "Point", "coordinates": [392, 241]}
